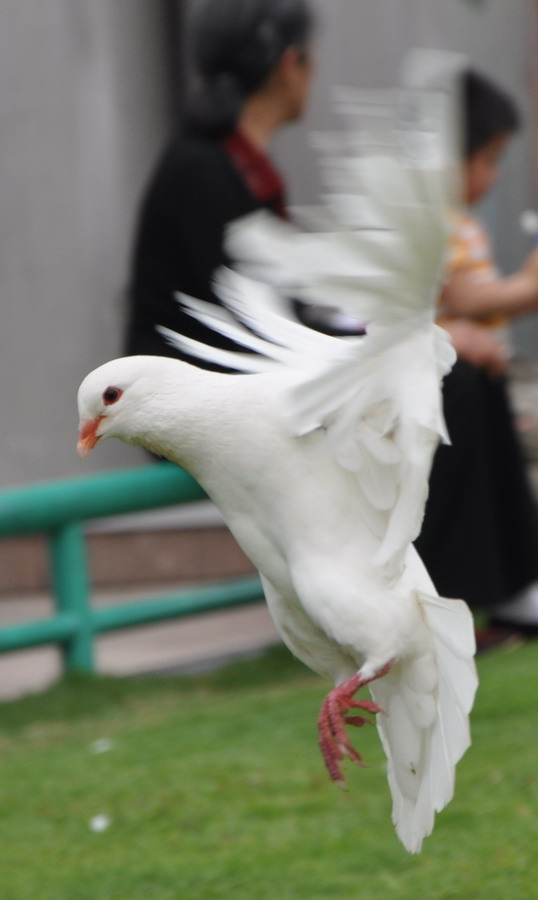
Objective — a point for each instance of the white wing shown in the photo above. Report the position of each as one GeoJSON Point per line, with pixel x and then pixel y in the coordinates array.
{"type": "Point", "coordinates": [377, 396]}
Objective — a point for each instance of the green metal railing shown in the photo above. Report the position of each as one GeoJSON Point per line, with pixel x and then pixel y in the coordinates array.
{"type": "Point", "coordinates": [60, 508]}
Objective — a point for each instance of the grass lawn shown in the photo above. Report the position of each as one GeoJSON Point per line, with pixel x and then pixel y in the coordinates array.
{"type": "Point", "coordinates": [214, 788]}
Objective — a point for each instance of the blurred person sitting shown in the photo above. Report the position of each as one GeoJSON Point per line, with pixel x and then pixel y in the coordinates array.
{"type": "Point", "coordinates": [479, 538]}
{"type": "Point", "coordinates": [253, 66]}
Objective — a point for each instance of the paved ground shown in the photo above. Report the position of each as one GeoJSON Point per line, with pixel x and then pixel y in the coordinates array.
{"type": "Point", "coordinates": [201, 641]}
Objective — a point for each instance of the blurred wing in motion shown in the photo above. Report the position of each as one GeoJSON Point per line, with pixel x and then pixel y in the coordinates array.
{"type": "Point", "coordinates": [392, 184]}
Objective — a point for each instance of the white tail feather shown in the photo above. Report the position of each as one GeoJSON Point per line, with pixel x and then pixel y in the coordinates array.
{"type": "Point", "coordinates": [426, 729]}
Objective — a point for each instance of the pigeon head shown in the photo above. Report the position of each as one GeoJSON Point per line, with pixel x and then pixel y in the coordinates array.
{"type": "Point", "coordinates": [113, 399]}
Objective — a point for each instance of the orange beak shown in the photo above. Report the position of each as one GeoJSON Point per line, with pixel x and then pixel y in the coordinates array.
{"type": "Point", "coordinates": [87, 435]}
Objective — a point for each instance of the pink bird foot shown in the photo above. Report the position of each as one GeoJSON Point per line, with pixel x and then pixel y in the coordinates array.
{"type": "Point", "coordinates": [333, 740]}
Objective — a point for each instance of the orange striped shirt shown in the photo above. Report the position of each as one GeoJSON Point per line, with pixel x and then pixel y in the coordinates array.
{"type": "Point", "coordinates": [471, 253]}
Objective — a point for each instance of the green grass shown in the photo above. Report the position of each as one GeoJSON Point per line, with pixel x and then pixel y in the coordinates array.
{"type": "Point", "coordinates": [215, 789]}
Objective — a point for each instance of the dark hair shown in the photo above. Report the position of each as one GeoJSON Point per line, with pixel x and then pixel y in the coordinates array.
{"type": "Point", "coordinates": [489, 112]}
{"type": "Point", "coordinates": [235, 45]}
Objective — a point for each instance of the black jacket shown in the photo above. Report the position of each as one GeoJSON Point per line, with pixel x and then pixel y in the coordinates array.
{"type": "Point", "coordinates": [195, 192]}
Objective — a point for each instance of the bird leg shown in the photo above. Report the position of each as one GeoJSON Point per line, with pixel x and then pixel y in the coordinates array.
{"type": "Point", "coordinates": [333, 740]}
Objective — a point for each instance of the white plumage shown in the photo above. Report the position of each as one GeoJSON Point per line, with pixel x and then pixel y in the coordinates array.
{"type": "Point", "coordinates": [319, 460]}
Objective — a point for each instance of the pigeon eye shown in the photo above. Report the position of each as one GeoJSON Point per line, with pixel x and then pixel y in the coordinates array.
{"type": "Point", "coordinates": [111, 395]}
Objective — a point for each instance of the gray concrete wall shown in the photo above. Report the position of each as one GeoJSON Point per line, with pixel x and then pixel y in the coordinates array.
{"type": "Point", "coordinates": [83, 111]}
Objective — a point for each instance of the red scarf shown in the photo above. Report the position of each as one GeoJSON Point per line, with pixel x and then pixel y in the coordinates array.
{"type": "Point", "coordinates": [257, 171]}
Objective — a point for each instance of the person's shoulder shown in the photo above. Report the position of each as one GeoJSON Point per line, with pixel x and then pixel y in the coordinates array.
{"type": "Point", "coordinates": [197, 173]}
{"type": "Point", "coordinates": [470, 248]}
{"type": "Point", "coordinates": [194, 154]}
{"type": "Point", "coordinates": [468, 227]}
{"type": "Point", "coordinates": [468, 235]}
{"type": "Point", "coordinates": [189, 167]}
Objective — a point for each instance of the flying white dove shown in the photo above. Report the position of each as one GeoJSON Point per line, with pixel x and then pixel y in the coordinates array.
{"type": "Point", "coordinates": [318, 453]}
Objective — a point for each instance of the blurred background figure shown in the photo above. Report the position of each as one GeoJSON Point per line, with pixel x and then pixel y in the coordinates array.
{"type": "Point", "coordinates": [253, 66]}
{"type": "Point", "coordinates": [480, 534]}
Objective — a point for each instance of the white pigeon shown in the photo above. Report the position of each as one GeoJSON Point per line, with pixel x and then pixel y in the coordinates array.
{"type": "Point", "coordinates": [318, 454]}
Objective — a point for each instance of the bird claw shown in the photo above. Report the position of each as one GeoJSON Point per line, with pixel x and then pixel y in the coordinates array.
{"type": "Point", "coordinates": [333, 740]}
{"type": "Point", "coordinates": [358, 721]}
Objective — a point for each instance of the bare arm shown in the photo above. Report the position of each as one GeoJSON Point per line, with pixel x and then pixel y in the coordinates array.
{"type": "Point", "coordinates": [512, 296]}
